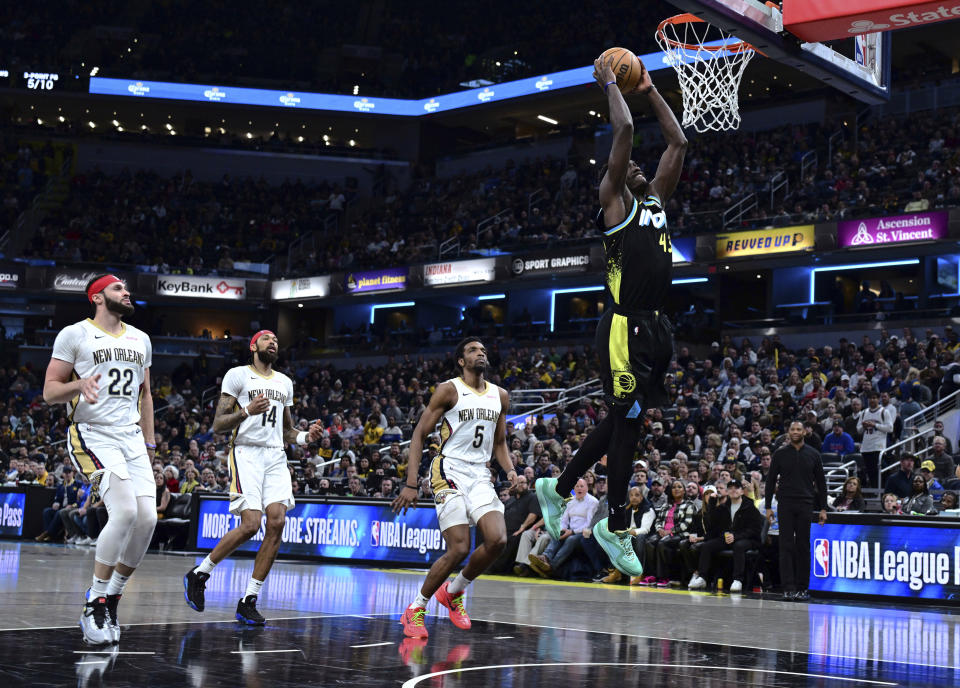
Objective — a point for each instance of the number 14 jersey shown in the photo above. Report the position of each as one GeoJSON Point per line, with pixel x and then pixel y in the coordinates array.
{"type": "Point", "coordinates": [245, 383]}
{"type": "Point", "coordinates": [467, 429]}
{"type": "Point", "coordinates": [120, 360]}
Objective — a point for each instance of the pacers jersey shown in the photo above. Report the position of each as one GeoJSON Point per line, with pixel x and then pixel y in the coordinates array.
{"type": "Point", "coordinates": [467, 429]}
{"type": "Point", "coordinates": [639, 257]}
{"type": "Point", "coordinates": [245, 383]}
{"type": "Point", "coordinates": [120, 360]}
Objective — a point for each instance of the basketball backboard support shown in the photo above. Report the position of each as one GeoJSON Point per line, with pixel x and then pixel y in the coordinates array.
{"type": "Point", "coordinates": [866, 79]}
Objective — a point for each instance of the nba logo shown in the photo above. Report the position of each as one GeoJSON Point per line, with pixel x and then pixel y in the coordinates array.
{"type": "Point", "coordinates": [375, 534]}
{"type": "Point", "coordinates": [821, 558]}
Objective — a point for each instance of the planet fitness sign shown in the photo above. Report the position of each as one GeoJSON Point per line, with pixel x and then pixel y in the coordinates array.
{"type": "Point", "coordinates": [900, 229]}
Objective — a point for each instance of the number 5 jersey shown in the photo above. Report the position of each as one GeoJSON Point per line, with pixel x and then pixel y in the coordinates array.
{"type": "Point", "coordinates": [120, 360]}
{"type": "Point", "coordinates": [245, 383]}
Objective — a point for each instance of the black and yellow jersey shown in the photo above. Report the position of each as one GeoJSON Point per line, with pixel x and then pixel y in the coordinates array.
{"type": "Point", "coordinates": [639, 257]}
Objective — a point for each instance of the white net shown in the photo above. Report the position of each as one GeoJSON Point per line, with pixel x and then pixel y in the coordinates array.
{"type": "Point", "coordinates": [709, 63]}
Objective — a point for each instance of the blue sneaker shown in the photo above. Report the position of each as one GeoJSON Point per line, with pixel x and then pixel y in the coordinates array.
{"type": "Point", "coordinates": [619, 547]}
{"type": "Point", "coordinates": [551, 504]}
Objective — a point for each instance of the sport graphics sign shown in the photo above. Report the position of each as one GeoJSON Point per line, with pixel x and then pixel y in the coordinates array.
{"type": "Point", "coordinates": [889, 560]}
{"type": "Point", "coordinates": [337, 531]}
{"type": "Point", "coordinates": [899, 229]}
{"type": "Point", "coordinates": [11, 276]}
{"type": "Point", "coordinates": [12, 505]}
{"type": "Point", "coordinates": [763, 242]}
{"type": "Point", "coordinates": [551, 263]}
{"type": "Point", "coordinates": [232, 288]}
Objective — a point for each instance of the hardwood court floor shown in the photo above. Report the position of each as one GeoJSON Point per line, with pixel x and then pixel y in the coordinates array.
{"type": "Point", "coordinates": [338, 625]}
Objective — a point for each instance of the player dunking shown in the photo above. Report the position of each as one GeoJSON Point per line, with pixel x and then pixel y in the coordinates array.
{"type": "Point", "coordinates": [251, 399]}
{"type": "Point", "coordinates": [634, 337]}
{"type": "Point", "coordinates": [100, 368]}
{"type": "Point", "coordinates": [474, 427]}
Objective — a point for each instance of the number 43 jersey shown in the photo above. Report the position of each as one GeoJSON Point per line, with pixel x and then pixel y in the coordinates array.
{"type": "Point", "coordinates": [467, 429]}
{"type": "Point", "coordinates": [120, 360]}
{"type": "Point", "coordinates": [245, 383]}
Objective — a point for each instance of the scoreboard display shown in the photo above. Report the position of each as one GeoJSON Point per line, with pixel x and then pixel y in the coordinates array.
{"type": "Point", "coordinates": [31, 80]}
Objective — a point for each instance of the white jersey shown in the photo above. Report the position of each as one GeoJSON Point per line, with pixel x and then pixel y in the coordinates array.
{"type": "Point", "coordinates": [467, 429]}
{"type": "Point", "coordinates": [245, 383]}
{"type": "Point", "coordinates": [120, 360]}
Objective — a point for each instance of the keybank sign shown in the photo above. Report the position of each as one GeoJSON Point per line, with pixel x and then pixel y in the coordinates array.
{"type": "Point", "coordinates": [901, 561]}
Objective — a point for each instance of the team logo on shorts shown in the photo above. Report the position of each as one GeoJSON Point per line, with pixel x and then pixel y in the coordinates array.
{"type": "Point", "coordinates": [624, 382]}
{"type": "Point", "coordinates": [441, 497]}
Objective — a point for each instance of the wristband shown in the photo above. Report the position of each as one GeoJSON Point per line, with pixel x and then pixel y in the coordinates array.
{"type": "Point", "coordinates": [150, 446]}
{"type": "Point", "coordinates": [607, 84]}
{"type": "Point", "coordinates": [412, 487]}
{"type": "Point", "coordinates": [303, 438]}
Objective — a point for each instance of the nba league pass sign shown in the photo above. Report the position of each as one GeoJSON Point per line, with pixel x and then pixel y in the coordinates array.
{"type": "Point", "coordinates": [900, 229]}
{"type": "Point", "coordinates": [887, 560]}
{"type": "Point", "coordinates": [11, 513]}
{"type": "Point", "coordinates": [337, 531]}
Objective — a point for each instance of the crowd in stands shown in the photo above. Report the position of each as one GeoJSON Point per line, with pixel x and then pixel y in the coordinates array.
{"type": "Point", "coordinates": [197, 227]}
{"type": "Point", "coordinates": [728, 413]}
{"type": "Point", "coordinates": [325, 46]}
{"type": "Point", "coordinates": [25, 167]}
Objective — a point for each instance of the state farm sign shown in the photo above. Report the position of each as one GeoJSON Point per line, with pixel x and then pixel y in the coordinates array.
{"type": "Point", "coordinates": [202, 287]}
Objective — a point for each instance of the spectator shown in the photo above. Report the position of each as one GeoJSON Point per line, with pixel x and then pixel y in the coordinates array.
{"type": "Point", "coordinates": [736, 525]}
{"type": "Point", "coordinates": [850, 498]}
{"type": "Point", "coordinates": [891, 503]}
{"type": "Point", "coordinates": [944, 464]}
{"type": "Point", "coordinates": [574, 524]}
{"type": "Point", "coordinates": [163, 494]}
{"type": "Point", "coordinates": [927, 469]}
{"type": "Point", "coordinates": [919, 502]}
{"type": "Point", "coordinates": [875, 425]}
{"type": "Point", "coordinates": [673, 523]}
{"type": "Point", "coordinates": [948, 502]}
{"type": "Point", "coordinates": [191, 482]}
{"type": "Point", "coordinates": [838, 442]}
{"type": "Point", "coordinates": [65, 497]}
{"type": "Point", "coordinates": [901, 482]}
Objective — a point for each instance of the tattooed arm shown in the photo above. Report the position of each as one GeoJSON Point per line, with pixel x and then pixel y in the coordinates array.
{"type": "Point", "coordinates": [229, 414]}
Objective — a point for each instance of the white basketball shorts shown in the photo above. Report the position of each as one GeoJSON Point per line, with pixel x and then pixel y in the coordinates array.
{"type": "Point", "coordinates": [258, 477]}
{"type": "Point", "coordinates": [463, 493]}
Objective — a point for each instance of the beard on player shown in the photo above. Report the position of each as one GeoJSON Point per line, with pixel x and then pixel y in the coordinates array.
{"type": "Point", "coordinates": [117, 306]}
{"type": "Point", "coordinates": [267, 356]}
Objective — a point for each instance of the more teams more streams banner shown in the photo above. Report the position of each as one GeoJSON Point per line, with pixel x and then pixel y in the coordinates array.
{"type": "Point", "coordinates": [338, 531]}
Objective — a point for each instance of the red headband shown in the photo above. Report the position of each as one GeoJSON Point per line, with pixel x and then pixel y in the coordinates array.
{"type": "Point", "coordinates": [100, 285]}
{"type": "Point", "coordinates": [254, 338]}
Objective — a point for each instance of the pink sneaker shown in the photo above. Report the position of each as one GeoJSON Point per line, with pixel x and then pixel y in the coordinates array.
{"type": "Point", "coordinates": [649, 580]}
{"type": "Point", "coordinates": [663, 583]}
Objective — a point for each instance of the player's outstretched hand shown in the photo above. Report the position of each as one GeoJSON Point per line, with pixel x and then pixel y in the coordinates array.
{"type": "Point", "coordinates": [89, 388]}
{"type": "Point", "coordinates": [603, 71]}
{"type": "Point", "coordinates": [259, 404]}
{"type": "Point", "coordinates": [315, 432]}
{"type": "Point", "coordinates": [512, 477]}
{"type": "Point", "coordinates": [646, 83]}
{"type": "Point", "coordinates": [407, 499]}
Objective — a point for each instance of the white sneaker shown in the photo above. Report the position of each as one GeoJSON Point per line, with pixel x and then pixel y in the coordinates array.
{"type": "Point", "coordinates": [697, 583]}
{"type": "Point", "coordinates": [736, 586]}
{"type": "Point", "coordinates": [83, 541]}
{"type": "Point", "coordinates": [93, 622]}
{"type": "Point", "coordinates": [72, 540]}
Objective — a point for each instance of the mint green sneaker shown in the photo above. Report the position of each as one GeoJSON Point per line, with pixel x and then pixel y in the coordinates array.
{"type": "Point", "coordinates": [619, 547]}
{"type": "Point", "coordinates": [551, 504]}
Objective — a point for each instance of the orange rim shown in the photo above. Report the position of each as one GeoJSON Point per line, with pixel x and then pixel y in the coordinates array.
{"type": "Point", "coordinates": [676, 20]}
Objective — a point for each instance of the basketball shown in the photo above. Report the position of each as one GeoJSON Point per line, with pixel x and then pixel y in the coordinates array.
{"type": "Point", "coordinates": [626, 66]}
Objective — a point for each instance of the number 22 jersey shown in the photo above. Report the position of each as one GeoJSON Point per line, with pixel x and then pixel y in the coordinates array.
{"type": "Point", "coordinates": [120, 360]}
{"type": "Point", "coordinates": [245, 383]}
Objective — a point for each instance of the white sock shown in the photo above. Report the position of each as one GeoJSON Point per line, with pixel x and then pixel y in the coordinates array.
{"type": "Point", "coordinates": [206, 566]}
{"type": "Point", "coordinates": [117, 584]}
{"type": "Point", "coordinates": [253, 588]}
{"type": "Point", "coordinates": [99, 587]}
{"type": "Point", "coordinates": [458, 585]}
{"type": "Point", "coordinates": [420, 600]}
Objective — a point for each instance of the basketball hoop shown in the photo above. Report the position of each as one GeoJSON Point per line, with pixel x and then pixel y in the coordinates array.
{"type": "Point", "coordinates": [709, 63]}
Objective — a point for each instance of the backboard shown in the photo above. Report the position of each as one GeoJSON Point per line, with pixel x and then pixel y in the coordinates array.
{"type": "Point", "coordinates": [864, 75]}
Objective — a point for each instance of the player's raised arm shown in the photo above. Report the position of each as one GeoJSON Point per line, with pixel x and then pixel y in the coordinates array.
{"type": "Point", "coordinates": [671, 162]}
{"type": "Point", "coordinates": [442, 399]}
{"type": "Point", "coordinates": [613, 184]}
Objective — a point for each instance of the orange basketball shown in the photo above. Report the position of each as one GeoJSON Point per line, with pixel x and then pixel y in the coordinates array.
{"type": "Point", "coordinates": [626, 66]}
